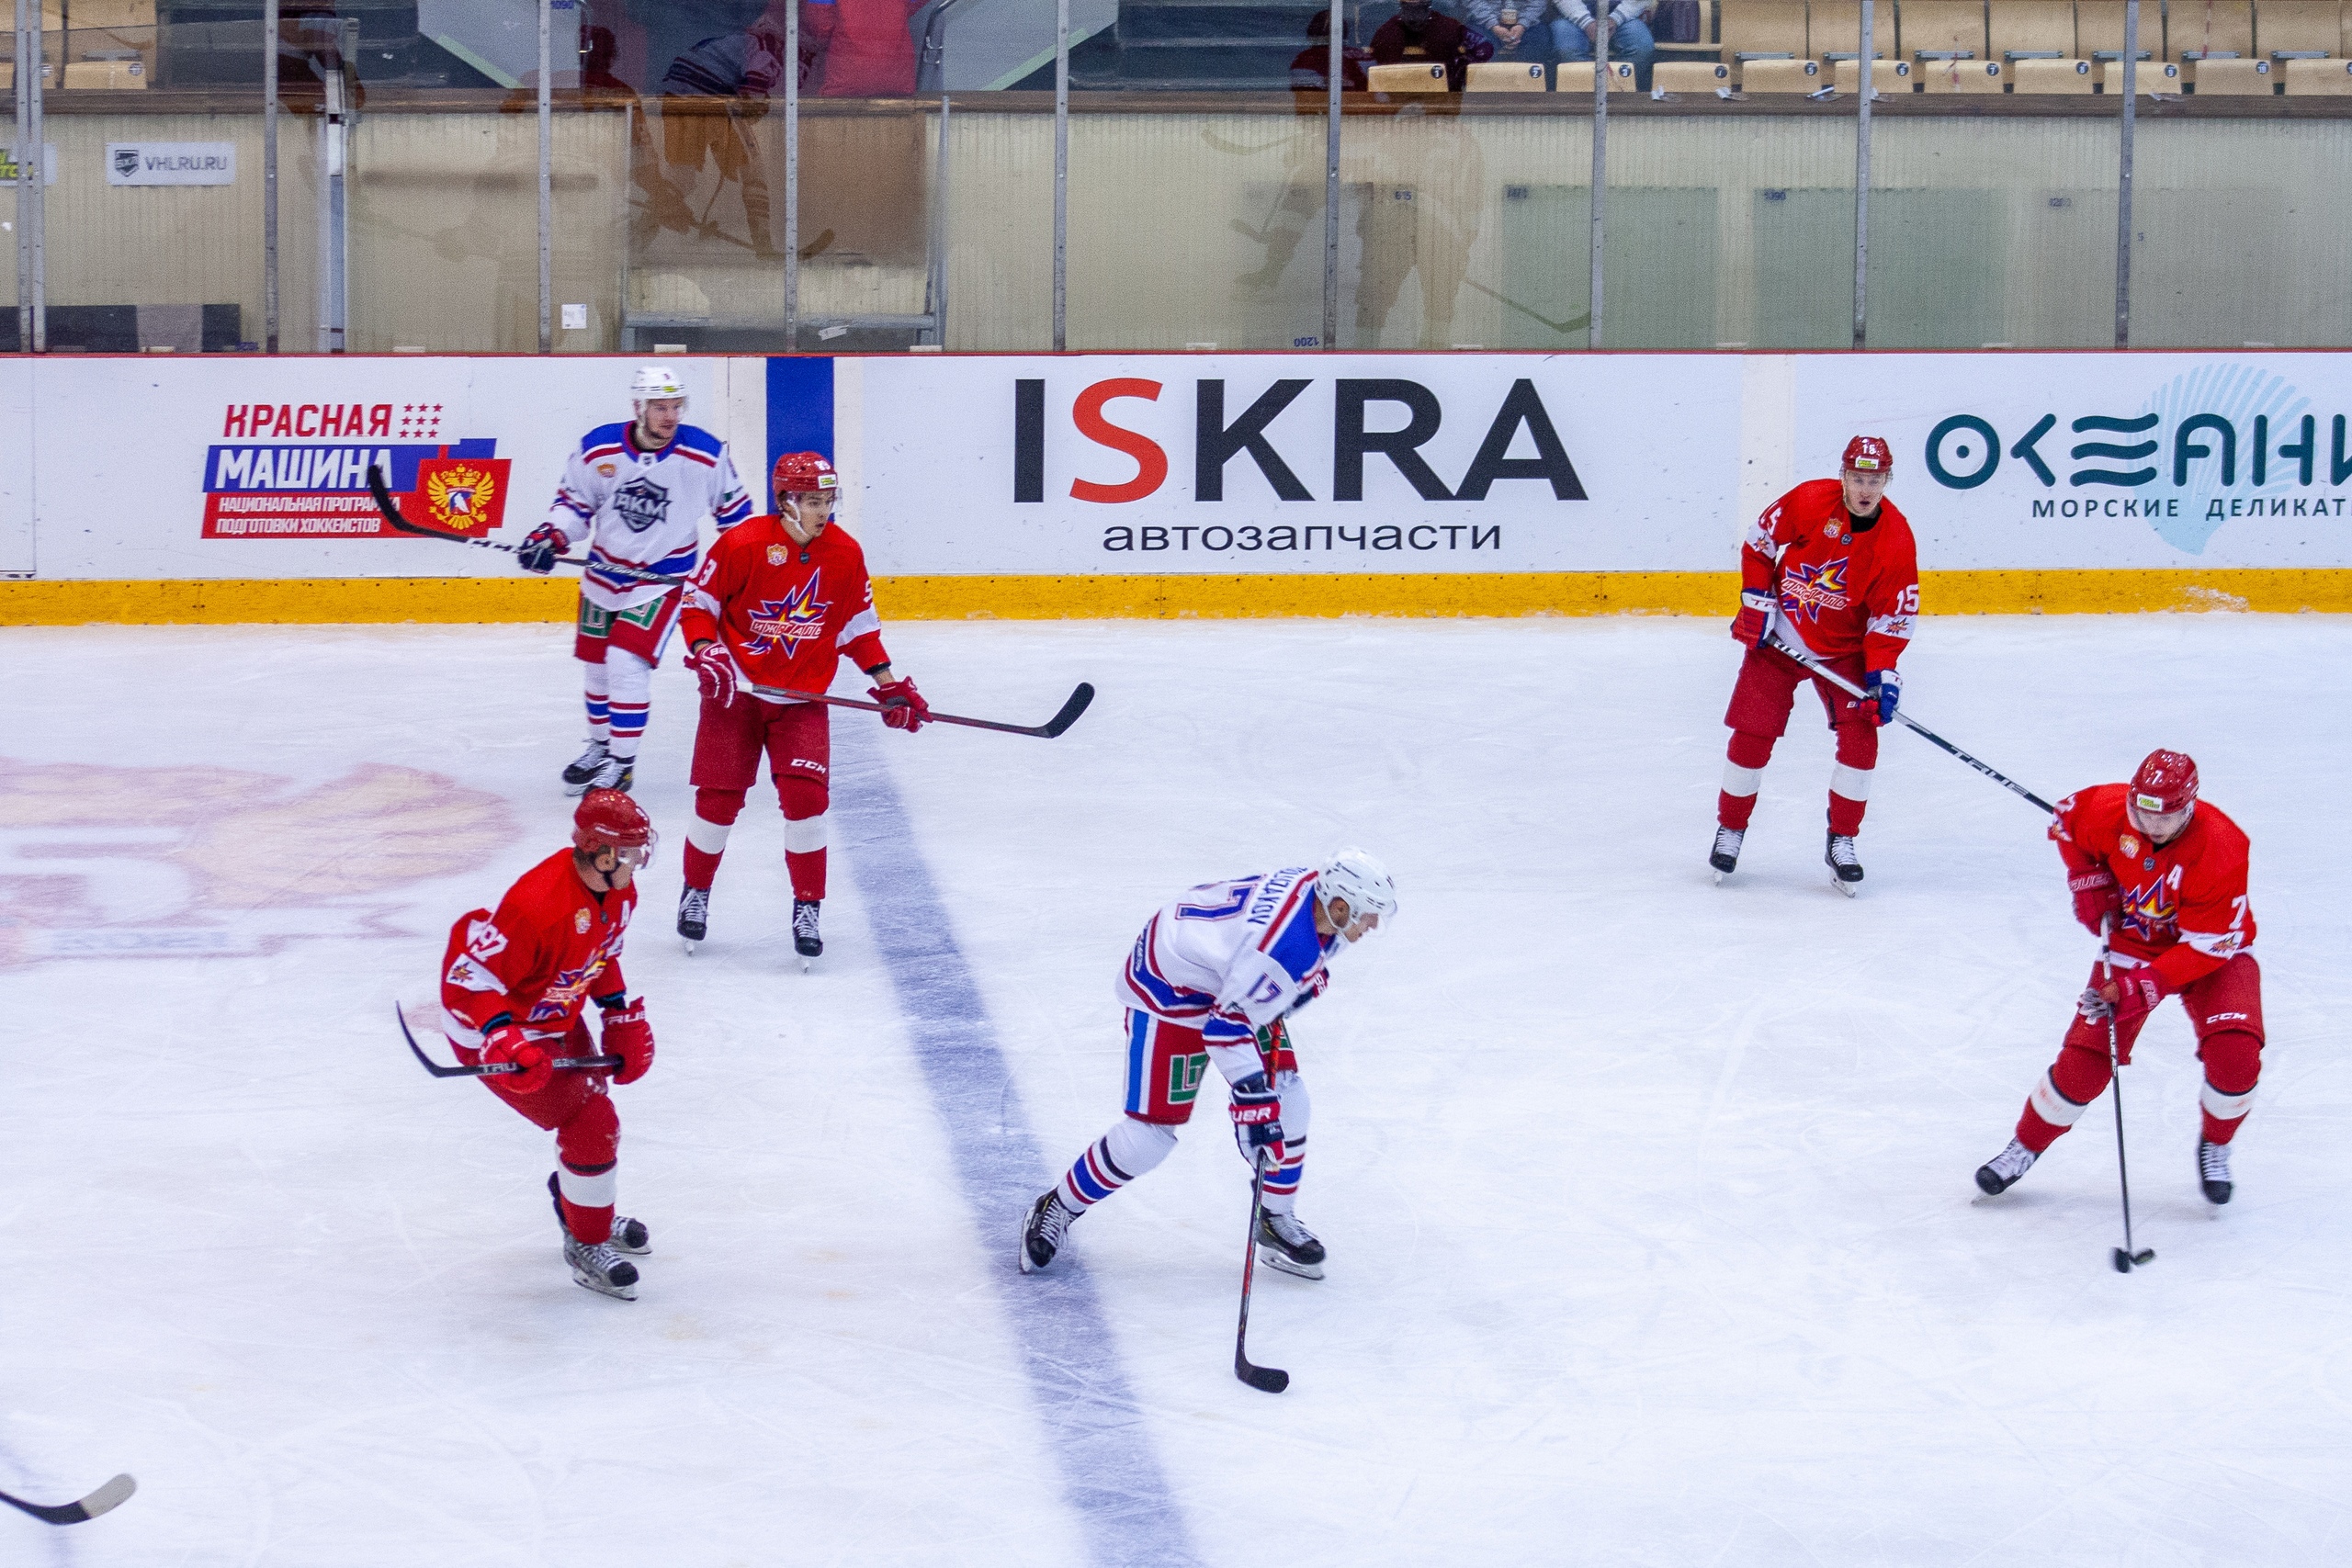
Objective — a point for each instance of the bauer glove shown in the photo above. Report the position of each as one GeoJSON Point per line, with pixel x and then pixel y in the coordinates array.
{"type": "Point", "coordinates": [1257, 1118]}
{"type": "Point", "coordinates": [540, 548]}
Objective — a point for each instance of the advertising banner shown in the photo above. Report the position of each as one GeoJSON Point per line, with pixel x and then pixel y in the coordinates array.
{"type": "Point", "coordinates": [171, 162]}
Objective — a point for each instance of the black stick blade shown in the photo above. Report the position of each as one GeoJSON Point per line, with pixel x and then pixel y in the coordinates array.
{"type": "Point", "coordinates": [382, 492]}
{"type": "Point", "coordinates": [2122, 1260]}
{"type": "Point", "coordinates": [1265, 1380]}
{"type": "Point", "coordinates": [1061, 721]}
{"type": "Point", "coordinates": [112, 1495]}
{"type": "Point", "coordinates": [435, 1068]}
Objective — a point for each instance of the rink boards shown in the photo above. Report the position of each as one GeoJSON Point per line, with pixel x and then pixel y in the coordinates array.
{"type": "Point", "coordinates": [1212, 485]}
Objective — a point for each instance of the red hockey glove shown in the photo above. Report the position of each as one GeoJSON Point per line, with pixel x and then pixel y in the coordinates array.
{"type": "Point", "coordinates": [902, 705]}
{"type": "Point", "coordinates": [2130, 994]}
{"type": "Point", "coordinates": [715, 667]}
{"type": "Point", "coordinates": [630, 1037]}
{"type": "Point", "coordinates": [2095, 900]}
{"type": "Point", "coordinates": [1257, 1118]}
{"type": "Point", "coordinates": [1886, 690]}
{"type": "Point", "coordinates": [1755, 616]}
{"type": "Point", "coordinates": [540, 548]}
{"type": "Point", "coordinates": [507, 1044]}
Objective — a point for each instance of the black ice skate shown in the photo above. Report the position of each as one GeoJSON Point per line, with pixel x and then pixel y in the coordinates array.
{"type": "Point", "coordinates": [805, 940]}
{"type": "Point", "coordinates": [2000, 1173]}
{"type": "Point", "coordinates": [601, 1268]}
{"type": "Point", "coordinates": [582, 767]}
{"type": "Point", "coordinates": [693, 916]}
{"type": "Point", "coordinates": [629, 1235]}
{"type": "Point", "coordinates": [1843, 861]}
{"type": "Point", "coordinates": [614, 773]}
{"type": "Point", "coordinates": [1725, 856]}
{"type": "Point", "coordinates": [2213, 1171]}
{"type": "Point", "coordinates": [1284, 1243]}
{"type": "Point", "coordinates": [1043, 1230]}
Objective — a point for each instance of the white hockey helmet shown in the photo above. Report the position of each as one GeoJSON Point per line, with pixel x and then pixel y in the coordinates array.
{"type": "Point", "coordinates": [1358, 877]}
{"type": "Point", "coordinates": [657, 381]}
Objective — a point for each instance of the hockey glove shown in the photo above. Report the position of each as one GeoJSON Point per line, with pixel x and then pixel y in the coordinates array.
{"type": "Point", "coordinates": [2126, 996]}
{"type": "Point", "coordinates": [1257, 1118]}
{"type": "Point", "coordinates": [715, 667]}
{"type": "Point", "coordinates": [508, 1045]}
{"type": "Point", "coordinates": [1755, 616]}
{"type": "Point", "coordinates": [628, 1036]}
{"type": "Point", "coordinates": [902, 705]}
{"type": "Point", "coordinates": [1886, 690]}
{"type": "Point", "coordinates": [540, 548]}
{"type": "Point", "coordinates": [2095, 902]}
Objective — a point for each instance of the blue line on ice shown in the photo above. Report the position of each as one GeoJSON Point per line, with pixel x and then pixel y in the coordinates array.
{"type": "Point", "coordinates": [1110, 1473]}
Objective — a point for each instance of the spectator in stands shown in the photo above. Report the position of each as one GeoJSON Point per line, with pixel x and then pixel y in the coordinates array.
{"type": "Point", "coordinates": [1574, 27]}
{"type": "Point", "coordinates": [865, 46]}
{"type": "Point", "coordinates": [1418, 35]}
{"type": "Point", "coordinates": [1486, 16]}
{"type": "Point", "coordinates": [1307, 70]}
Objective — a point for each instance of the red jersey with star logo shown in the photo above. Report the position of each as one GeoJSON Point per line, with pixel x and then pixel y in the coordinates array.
{"type": "Point", "coordinates": [551, 946]}
{"type": "Point", "coordinates": [788, 613]}
{"type": "Point", "coordinates": [2185, 907]}
{"type": "Point", "coordinates": [1842, 591]}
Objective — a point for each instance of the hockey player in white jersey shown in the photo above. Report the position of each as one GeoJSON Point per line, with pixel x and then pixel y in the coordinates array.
{"type": "Point", "coordinates": [637, 492]}
{"type": "Point", "coordinates": [1211, 979]}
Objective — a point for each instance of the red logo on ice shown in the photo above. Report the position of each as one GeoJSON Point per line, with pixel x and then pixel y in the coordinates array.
{"type": "Point", "coordinates": [796, 617]}
{"type": "Point", "coordinates": [1813, 589]}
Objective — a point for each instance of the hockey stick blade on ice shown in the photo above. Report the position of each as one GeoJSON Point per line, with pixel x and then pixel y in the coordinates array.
{"type": "Point", "coordinates": [1266, 1380]}
{"type": "Point", "coordinates": [392, 510]}
{"type": "Point", "coordinates": [2123, 1257]}
{"type": "Point", "coordinates": [1782, 645]}
{"type": "Point", "coordinates": [491, 1069]}
{"type": "Point", "coordinates": [1049, 730]}
{"type": "Point", "coordinates": [112, 1495]}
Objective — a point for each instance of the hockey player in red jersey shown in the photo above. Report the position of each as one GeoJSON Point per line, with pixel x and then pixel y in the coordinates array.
{"type": "Point", "coordinates": [1834, 563]}
{"type": "Point", "coordinates": [2165, 872]}
{"type": "Point", "coordinates": [513, 989]}
{"type": "Point", "coordinates": [782, 600]}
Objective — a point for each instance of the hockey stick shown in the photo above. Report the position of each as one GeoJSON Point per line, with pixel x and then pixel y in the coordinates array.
{"type": "Point", "coordinates": [1049, 730]}
{"type": "Point", "coordinates": [111, 1496]}
{"type": "Point", "coordinates": [2124, 1257]}
{"type": "Point", "coordinates": [492, 1069]}
{"type": "Point", "coordinates": [391, 509]}
{"type": "Point", "coordinates": [1266, 1380]}
{"type": "Point", "coordinates": [1822, 671]}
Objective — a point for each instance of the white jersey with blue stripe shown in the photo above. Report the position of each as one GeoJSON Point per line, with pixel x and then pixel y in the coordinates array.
{"type": "Point", "coordinates": [644, 509]}
{"type": "Point", "coordinates": [1227, 959]}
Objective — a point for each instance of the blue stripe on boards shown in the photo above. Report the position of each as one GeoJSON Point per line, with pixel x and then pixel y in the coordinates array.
{"type": "Point", "coordinates": [1110, 1473]}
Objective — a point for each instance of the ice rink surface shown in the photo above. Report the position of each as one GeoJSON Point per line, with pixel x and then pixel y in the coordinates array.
{"type": "Point", "coordinates": [1653, 1238]}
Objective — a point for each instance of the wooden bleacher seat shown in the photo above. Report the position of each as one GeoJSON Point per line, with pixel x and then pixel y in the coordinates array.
{"type": "Point", "coordinates": [2035, 31]}
{"type": "Point", "coordinates": [1943, 30]}
{"type": "Point", "coordinates": [2218, 78]}
{"type": "Point", "coordinates": [2098, 38]}
{"type": "Point", "coordinates": [1960, 76]}
{"type": "Point", "coordinates": [2299, 30]}
{"type": "Point", "coordinates": [1761, 30]}
{"type": "Point", "coordinates": [1888, 77]}
{"type": "Point", "coordinates": [1782, 76]}
{"type": "Point", "coordinates": [1572, 76]}
{"type": "Point", "coordinates": [2316, 78]}
{"type": "Point", "coordinates": [1690, 76]}
{"type": "Point", "coordinates": [105, 74]}
{"type": "Point", "coordinates": [2218, 31]}
{"type": "Point", "coordinates": [1506, 76]}
{"type": "Point", "coordinates": [1405, 78]}
{"type": "Point", "coordinates": [1834, 28]}
{"type": "Point", "coordinates": [2051, 76]}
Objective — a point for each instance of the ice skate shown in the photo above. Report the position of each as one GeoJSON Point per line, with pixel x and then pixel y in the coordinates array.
{"type": "Point", "coordinates": [2000, 1173]}
{"type": "Point", "coordinates": [582, 767]}
{"type": "Point", "coordinates": [611, 774]}
{"type": "Point", "coordinates": [1284, 1243]}
{"type": "Point", "coordinates": [693, 916]}
{"type": "Point", "coordinates": [1043, 1231]}
{"type": "Point", "coordinates": [601, 1268]}
{"type": "Point", "coordinates": [805, 940]}
{"type": "Point", "coordinates": [629, 1235]}
{"type": "Point", "coordinates": [1725, 856]}
{"type": "Point", "coordinates": [1844, 863]}
{"type": "Point", "coordinates": [2213, 1172]}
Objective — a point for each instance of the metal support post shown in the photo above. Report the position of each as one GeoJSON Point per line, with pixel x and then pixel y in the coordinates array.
{"type": "Point", "coordinates": [939, 230]}
{"type": "Point", "coordinates": [1333, 68]}
{"type": "Point", "coordinates": [1599, 160]}
{"type": "Point", "coordinates": [1868, 91]}
{"type": "Point", "coordinates": [546, 179]}
{"type": "Point", "coordinates": [1061, 175]}
{"type": "Point", "coordinates": [333, 236]}
{"type": "Point", "coordinates": [32, 186]}
{"type": "Point", "coordinates": [269, 42]}
{"type": "Point", "coordinates": [791, 179]}
{"type": "Point", "coordinates": [2124, 176]}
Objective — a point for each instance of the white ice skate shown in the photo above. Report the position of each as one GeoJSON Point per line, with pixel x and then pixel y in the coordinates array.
{"type": "Point", "coordinates": [612, 772]}
{"type": "Point", "coordinates": [582, 770]}
{"type": "Point", "coordinates": [1284, 1243]}
{"type": "Point", "coordinates": [2000, 1173]}
{"type": "Point", "coordinates": [601, 1268]}
{"type": "Point", "coordinates": [693, 917]}
{"type": "Point", "coordinates": [1844, 862]}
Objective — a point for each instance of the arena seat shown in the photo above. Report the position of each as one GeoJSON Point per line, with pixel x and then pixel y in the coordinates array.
{"type": "Point", "coordinates": [2051, 76]}
{"type": "Point", "coordinates": [1690, 76]}
{"type": "Point", "coordinates": [1835, 30]}
{"type": "Point", "coordinates": [2099, 37]}
{"type": "Point", "coordinates": [1506, 76]}
{"type": "Point", "coordinates": [1405, 78]}
{"type": "Point", "coordinates": [1782, 76]}
{"type": "Point", "coordinates": [2316, 78]}
{"type": "Point", "coordinates": [1886, 75]}
{"type": "Point", "coordinates": [1577, 77]}
{"type": "Point", "coordinates": [2216, 31]}
{"type": "Point", "coordinates": [2286, 30]}
{"type": "Point", "coordinates": [1960, 76]}
{"type": "Point", "coordinates": [1768, 30]}
{"type": "Point", "coordinates": [1943, 30]}
{"type": "Point", "coordinates": [2037, 32]}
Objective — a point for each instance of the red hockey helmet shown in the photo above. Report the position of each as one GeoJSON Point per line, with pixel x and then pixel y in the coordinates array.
{"type": "Point", "coordinates": [803, 473]}
{"type": "Point", "coordinates": [1869, 454]}
{"type": "Point", "coordinates": [608, 818]}
{"type": "Point", "coordinates": [2163, 794]}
